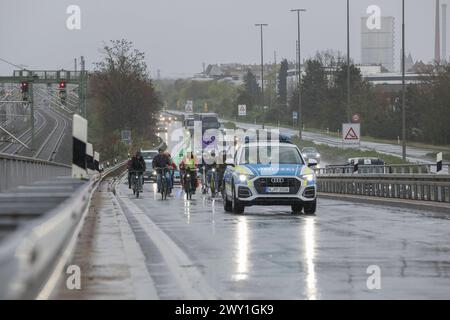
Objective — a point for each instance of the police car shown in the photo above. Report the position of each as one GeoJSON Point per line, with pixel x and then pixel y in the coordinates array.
{"type": "Point", "coordinates": [269, 173]}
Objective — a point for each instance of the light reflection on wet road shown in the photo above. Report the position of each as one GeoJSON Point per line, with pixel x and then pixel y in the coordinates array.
{"type": "Point", "coordinates": [268, 253]}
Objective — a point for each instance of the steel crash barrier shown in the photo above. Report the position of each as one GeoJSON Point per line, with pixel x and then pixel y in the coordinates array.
{"type": "Point", "coordinates": [423, 187]}
{"type": "Point", "coordinates": [384, 169]}
{"type": "Point", "coordinates": [38, 223]}
{"type": "Point", "coordinates": [16, 171]}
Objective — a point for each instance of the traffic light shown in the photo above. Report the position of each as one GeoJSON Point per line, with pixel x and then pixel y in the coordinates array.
{"type": "Point", "coordinates": [62, 85]}
{"type": "Point", "coordinates": [24, 90]}
{"type": "Point", "coordinates": [62, 92]}
{"type": "Point", "coordinates": [24, 86]}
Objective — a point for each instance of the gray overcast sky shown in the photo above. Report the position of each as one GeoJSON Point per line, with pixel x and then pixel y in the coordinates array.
{"type": "Point", "coordinates": [178, 35]}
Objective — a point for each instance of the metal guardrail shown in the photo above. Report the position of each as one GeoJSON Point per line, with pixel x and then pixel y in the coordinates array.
{"type": "Point", "coordinates": [384, 169]}
{"type": "Point", "coordinates": [16, 171]}
{"type": "Point", "coordinates": [401, 186]}
{"type": "Point", "coordinates": [37, 222]}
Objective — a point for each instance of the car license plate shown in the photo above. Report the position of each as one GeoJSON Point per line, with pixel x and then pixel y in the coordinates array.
{"type": "Point", "coordinates": [277, 189]}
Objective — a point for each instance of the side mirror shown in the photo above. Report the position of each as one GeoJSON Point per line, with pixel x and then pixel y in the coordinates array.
{"type": "Point", "coordinates": [312, 163]}
{"type": "Point", "coordinates": [229, 162]}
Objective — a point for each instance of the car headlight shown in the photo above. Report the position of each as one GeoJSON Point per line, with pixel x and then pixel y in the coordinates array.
{"type": "Point", "coordinates": [154, 172]}
{"type": "Point", "coordinates": [245, 177]}
{"type": "Point", "coordinates": [318, 155]}
{"type": "Point", "coordinates": [308, 177]}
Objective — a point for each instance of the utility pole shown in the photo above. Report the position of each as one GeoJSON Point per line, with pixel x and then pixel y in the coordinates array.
{"type": "Point", "coordinates": [348, 63]}
{"type": "Point", "coordinates": [275, 97]}
{"type": "Point", "coordinates": [31, 102]}
{"type": "Point", "coordinates": [261, 25]}
{"type": "Point", "coordinates": [75, 64]}
{"type": "Point", "coordinates": [403, 85]}
{"type": "Point", "coordinates": [82, 88]}
{"type": "Point", "coordinates": [300, 115]}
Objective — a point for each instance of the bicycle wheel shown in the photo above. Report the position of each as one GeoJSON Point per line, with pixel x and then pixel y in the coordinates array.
{"type": "Point", "coordinates": [213, 186]}
{"type": "Point", "coordinates": [166, 189]}
{"type": "Point", "coordinates": [163, 187]}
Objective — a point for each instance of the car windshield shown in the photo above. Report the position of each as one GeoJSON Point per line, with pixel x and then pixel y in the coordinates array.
{"type": "Point", "coordinates": [149, 155]}
{"type": "Point", "coordinates": [270, 155]}
{"type": "Point", "coordinates": [210, 123]}
{"type": "Point", "coordinates": [309, 150]}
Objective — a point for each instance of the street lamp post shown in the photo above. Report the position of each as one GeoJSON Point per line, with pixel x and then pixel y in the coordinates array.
{"type": "Point", "coordinates": [261, 25]}
{"type": "Point", "coordinates": [299, 116]}
{"type": "Point", "coordinates": [348, 62]}
{"type": "Point", "coordinates": [403, 85]}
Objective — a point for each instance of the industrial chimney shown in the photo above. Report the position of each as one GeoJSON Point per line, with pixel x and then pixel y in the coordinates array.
{"type": "Point", "coordinates": [444, 32]}
{"type": "Point", "coordinates": [437, 39]}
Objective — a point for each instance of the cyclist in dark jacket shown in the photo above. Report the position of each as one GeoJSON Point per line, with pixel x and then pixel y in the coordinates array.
{"type": "Point", "coordinates": [162, 161]}
{"type": "Point", "coordinates": [138, 165]}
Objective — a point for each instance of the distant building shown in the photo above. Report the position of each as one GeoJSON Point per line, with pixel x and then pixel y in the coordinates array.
{"type": "Point", "coordinates": [377, 45]}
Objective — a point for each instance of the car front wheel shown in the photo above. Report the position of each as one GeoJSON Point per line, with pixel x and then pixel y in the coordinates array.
{"type": "Point", "coordinates": [310, 207]}
{"type": "Point", "coordinates": [238, 207]}
{"type": "Point", "coordinates": [227, 205]}
{"type": "Point", "coordinates": [297, 208]}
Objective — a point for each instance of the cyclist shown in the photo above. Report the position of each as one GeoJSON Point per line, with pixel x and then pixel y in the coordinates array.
{"type": "Point", "coordinates": [190, 162]}
{"type": "Point", "coordinates": [212, 169]}
{"type": "Point", "coordinates": [173, 167]}
{"type": "Point", "coordinates": [209, 165]}
{"type": "Point", "coordinates": [221, 167]}
{"type": "Point", "coordinates": [138, 165]}
{"type": "Point", "coordinates": [129, 171]}
{"type": "Point", "coordinates": [162, 161]}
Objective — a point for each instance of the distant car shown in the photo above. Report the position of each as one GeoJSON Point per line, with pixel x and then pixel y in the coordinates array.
{"type": "Point", "coordinates": [148, 155]}
{"type": "Point", "coordinates": [177, 177]}
{"type": "Point", "coordinates": [189, 123]}
{"type": "Point", "coordinates": [311, 153]}
{"type": "Point", "coordinates": [161, 126]}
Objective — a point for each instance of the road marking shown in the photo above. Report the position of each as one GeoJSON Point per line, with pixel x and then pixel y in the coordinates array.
{"type": "Point", "coordinates": [140, 277]}
{"type": "Point", "coordinates": [190, 280]}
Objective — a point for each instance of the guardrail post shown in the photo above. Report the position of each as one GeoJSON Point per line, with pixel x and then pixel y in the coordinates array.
{"type": "Point", "coordinates": [79, 166]}
{"type": "Point", "coordinates": [90, 158]}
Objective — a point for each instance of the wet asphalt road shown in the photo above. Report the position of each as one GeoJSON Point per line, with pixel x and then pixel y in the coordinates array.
{"type": "Point", "coordinates": [268, 253]}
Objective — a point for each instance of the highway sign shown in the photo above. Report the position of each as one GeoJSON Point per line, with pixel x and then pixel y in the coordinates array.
{"type": "Point", "coordinates": [351, 134]}
{"type": "Point", "coordinates": [294, 115]}
{"type": "Point", "coordinates": [356, 118]}
{"type": "Point", "coordinates": [242, 109]}
{"type": "Point", "coordinates": [189, 106]}
{"type": "Point", "coordinates": [126, 136]}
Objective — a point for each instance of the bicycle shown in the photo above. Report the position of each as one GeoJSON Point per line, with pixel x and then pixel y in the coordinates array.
{"type": "Point", "coordinates": [189, 183]}
{"type": "Point", "coordinates": [164, 188]}
{"type": "Point", "coordinates": [212, 182]}
{"type": "Point", "coordinates": [204, 181]}
{"type": "Point", "coordinates": [136, 182]}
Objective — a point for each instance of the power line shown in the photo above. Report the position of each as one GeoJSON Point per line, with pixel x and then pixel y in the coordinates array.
{"type": "Point", "coordinates": [12, 64]}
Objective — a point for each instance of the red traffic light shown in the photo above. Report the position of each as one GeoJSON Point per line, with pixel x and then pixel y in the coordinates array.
{"type": "Point", "coordinates": [24, 86]}
{"type": "Point", "coordinates": [62, 84]}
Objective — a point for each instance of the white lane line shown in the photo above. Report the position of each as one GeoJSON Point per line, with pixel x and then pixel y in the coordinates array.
{"type": "Point", "coordinates": [189, 278]}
